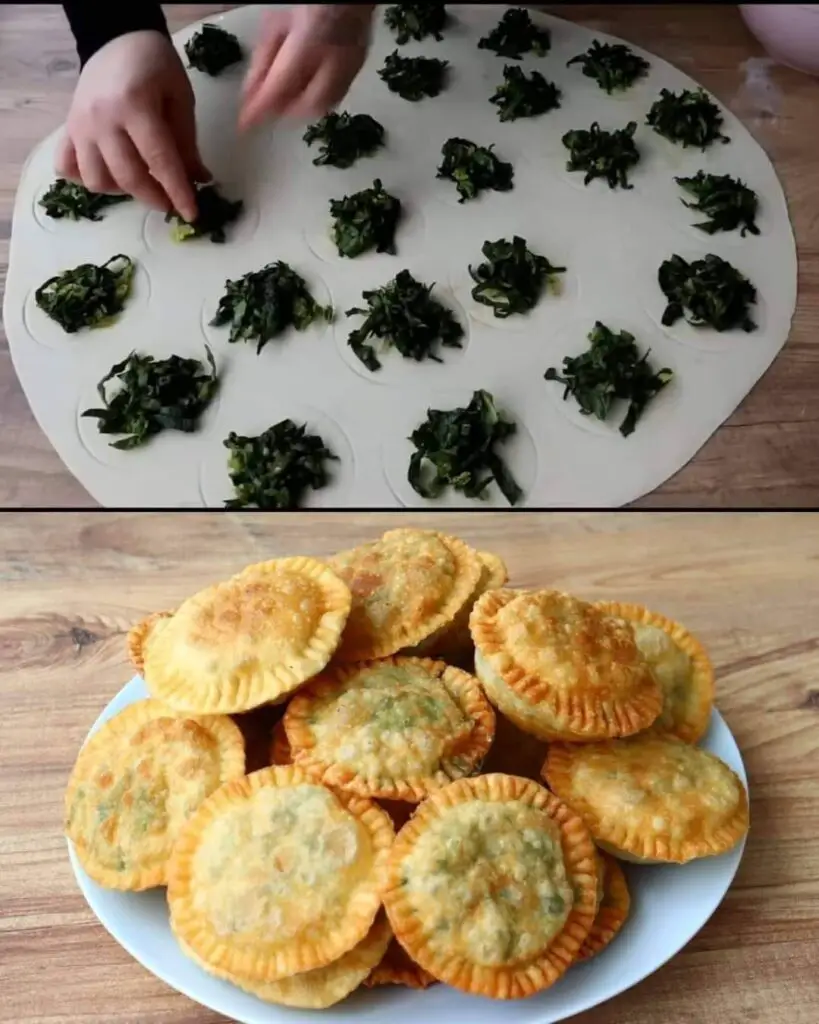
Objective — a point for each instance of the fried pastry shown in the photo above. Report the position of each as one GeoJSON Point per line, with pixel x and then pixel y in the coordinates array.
{"type": "Point", "coordinates": [280, 752]}
{"type": "Point", "coordinates": [405, 586]}
{"type": "Point", "coordinates": [493, 886]}
{"type": "Point", "coordinates": [397, 728]}
{"type": "Point", "coordinates": [651, 799]}
{"type": "Point", "coordinates": [137, 635]}
{"type": "Point", "coordinates": [323, 986]}
{"type": "Point", "coordinates": [136, 783]}
{"type": "Point", "coordinates": [681, 665]}
{"type": "Point", "coordinates": [250, 640]}
{"type": "Point", "coordinates": [453, 643]}
{"type": "Point", "coordinates": [398, 968]}
{"type": "Point", "coordinates": [276, 875]}
{"type": "Point", "coordinates": [612, 908]}
{"type": "Point", "coordinates": [559, 668]}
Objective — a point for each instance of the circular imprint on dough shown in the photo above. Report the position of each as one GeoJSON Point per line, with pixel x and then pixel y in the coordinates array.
{"type": "Point", "coordinates": [217, 335]}
{"type": "Point", "coordinates": [98, 445]}
{"type": "Point", "coordinates": [555, 304]}
{"type": "Point", "coordinates": [157, 233]}
{"type": "Point", "coordinates": [410, 236]}
{"type": "Point", "coordinates": [571, 341]}
{"type": "Point", "coordinates": [706, 339]}
{"type": "Point", "coordinates": [395, 368]}
{"type": "Point", "coordinates": [47, 332]}
{"type": "Point", "coordinates": [214, 478]}
{"type": "Point", "coordinates": [519, 453]}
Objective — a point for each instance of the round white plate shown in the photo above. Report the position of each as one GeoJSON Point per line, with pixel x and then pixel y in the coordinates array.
{"type": "Point", "coordinates": [612, 243]}
{"type": "Point", "coordinates": [669, 906]}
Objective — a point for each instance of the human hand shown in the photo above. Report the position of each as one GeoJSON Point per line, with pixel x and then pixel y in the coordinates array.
{"type": "Point", "coordinates": [131, 125]}
{"type": "Point", "coordinates": [305, 61]}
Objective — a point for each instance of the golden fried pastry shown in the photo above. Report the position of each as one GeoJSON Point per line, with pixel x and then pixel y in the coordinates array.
{"type": "Point", "coordinates": [137, 635]}
{"type": "Point", "coordinates": [493, 886]}
{"type": "Point", "coordinates": [397, 728]}
{"type": "Point", "coordinates": [453, 643]}
{"type": "Point", "coordinates": [405, 587]}
{"type": "Point", "coordinates": [612, 909]}
{"type": "Point", "coordinates": [515, 752]}
{"type": "Point", "coordinates": [323, 986]}
{"type": "Point", "coordinates": [681, 665]}
{"type": "Point", "coordinates": [578, 673]}
{"type": "Point", "coordinates": [276, 875]}
{"type": "Point", "coordinates": [280, 752]}
{"type": "Point", "coordinates": [651, 799]}
{"type": "Point", "coordinates": [136, 783]}
{"type": "Point", "coordinates": [250, 640]}
{"type": "Point", "coordinates": [398, 968]}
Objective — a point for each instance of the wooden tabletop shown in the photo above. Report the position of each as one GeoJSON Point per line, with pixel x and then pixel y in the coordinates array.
{"type": "Point", "coordinates": [747, 584]}
{"type": "Point", "coordinates": [765, 456]}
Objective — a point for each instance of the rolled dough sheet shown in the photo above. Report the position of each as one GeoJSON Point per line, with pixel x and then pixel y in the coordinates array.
{"type": "Point", "coordinates": [612, 243]}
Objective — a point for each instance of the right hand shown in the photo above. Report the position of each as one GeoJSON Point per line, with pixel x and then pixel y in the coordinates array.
{"type": "Point", "coordinates": [131, 126]}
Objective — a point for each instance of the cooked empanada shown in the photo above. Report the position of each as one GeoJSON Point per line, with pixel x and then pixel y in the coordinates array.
{"type": "Point", "coordinates": [612, 908]}
{"type": "Point", "coordinates": [681, 665]}
{"type": "Point", "coordinates": [559, 668]}
{"type": "Point", "coordinates": [651, 799]}
{"type": "Point", "coordinates": [135, 784]}
{"type": "Point", "coordinates": [323, 986]}
{"type": "Point", "coordinates": [276, 875]}
{"type": "Point", "coordinates": [405, 586]}
{"type": "Point", "coordinates": [396, 728]}
{"type": "Point", "coordinates": [398, 968]}
{"type": "Point", "coordinates": [250, 640]}
{"type": "Point", "coordinates": [493, 886]}
{"type": "Point", "coordinates": [137, 635]}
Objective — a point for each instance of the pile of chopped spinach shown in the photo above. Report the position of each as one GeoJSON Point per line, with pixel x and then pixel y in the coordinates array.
{"type": "Point", "coordinates": [214, 213]}
{"type": "Point", "coordinates": [610, 369]}
{"type": "Point", "coordinates": [727, 202]}
{"type": "Point", "coordinates": [613, 66]}
{"type": "Point", "coordinates": [512, 279]}
{"type": "Point", "coordinates": [474, 169]}
{"type": "Point", "coordinates": [707, 292]}
{"type": "Point", "coordinates": [275, 470]}
{"type": "Point", "coordinates": [365, 220]}
{"type": "Point", "coordinates": [457, 449]}
{"type": "Point", "coordinates": [403, 315]}
{"type": "Point", "coordinates": [520, 96]}
{"type": "Point", "coordinates": [212, 49]}
{"type": "Point", "coordinates": [154, 395]}
{"type": "Point", "coordinates": [413, 78]}
{"type": "Point", "coordinates": [602, 154]}
{"type": "Point", "coordinates": [344, 138]}
{"type": "Point", "coordinates": [416, 21]}
{"type": "Point", "coordinates": [516, 34]}
{"type": "Point", "coordinates": [262, 305]}
{"type": "Point", "coordinates": [87, 295]}
{"type": "Point", "coordinates": [690, 118]}
{"type": "Point", "coordinates": [69, 199]}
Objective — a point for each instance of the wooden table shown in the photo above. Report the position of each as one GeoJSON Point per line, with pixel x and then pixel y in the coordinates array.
{"type": "Point", "coordinates": [746, 584]}
{"type": "Point", "coordinates": [765, 456]}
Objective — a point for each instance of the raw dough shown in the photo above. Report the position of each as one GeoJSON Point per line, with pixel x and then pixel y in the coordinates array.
{"type": "Point", "coordinates": [611, 242]}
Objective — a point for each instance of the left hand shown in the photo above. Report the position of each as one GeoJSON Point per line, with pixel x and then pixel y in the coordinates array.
{"type": "Point", "coordinates": [305, 61]}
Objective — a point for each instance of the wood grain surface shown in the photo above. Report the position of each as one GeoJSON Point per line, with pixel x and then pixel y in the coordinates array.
{"type": "Point", "coordinates": [747, 584]}
{"type": "Point", "coordinates": [766, 455]}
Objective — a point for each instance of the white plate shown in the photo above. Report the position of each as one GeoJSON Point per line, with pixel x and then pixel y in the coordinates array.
{"type": "Point", "coordinates": [669, 906]}
{"type": "Point", "coordinates": [612, 244]}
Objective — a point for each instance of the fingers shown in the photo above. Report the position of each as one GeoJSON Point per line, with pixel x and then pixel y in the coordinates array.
{"type": "Point", "coordinates": [156, 145]}
{"type": "Point", "coordinates": [325, 90]}
{"type": "Point", "coordinates": [129, 171]}
{"type": "Point", "coordinates": [286, 77]}
{"type": "Point", "coordinates": [66, 161]}
{"type": "Point", "coordinates": [182, 120]}
{"type": "Point", "coordinates": [93, 172]}
{"type": "Point", "coordinates": [264, 53]}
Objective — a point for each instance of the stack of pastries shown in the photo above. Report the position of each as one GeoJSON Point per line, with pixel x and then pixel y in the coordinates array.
{"type": "Point", "coordinates": [398, 836]}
